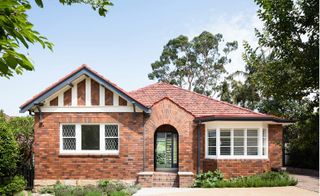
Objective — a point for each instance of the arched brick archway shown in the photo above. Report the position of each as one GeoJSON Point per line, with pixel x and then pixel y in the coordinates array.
{"type": "Point", "coordinates": [166, 148]}
{"type": "Point", "coordinates": [166, 112]}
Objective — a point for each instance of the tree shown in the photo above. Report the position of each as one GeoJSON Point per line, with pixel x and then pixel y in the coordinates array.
{"type": "Point", "coordinates": [196, 64]}
{"type": "Point", "coordinates": [16, 30]}
{"type": "Point", "coordinates": [22, 128]}
{"type": "Point", "coordinates": [10, 182]}
{"type": "Point", "coordinates": [284, 70]}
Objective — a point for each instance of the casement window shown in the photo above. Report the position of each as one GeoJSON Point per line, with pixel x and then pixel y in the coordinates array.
{"type": "Point", "coordinates": [237, 143]}
{"type": "Point", "coordinates": [89, 139]}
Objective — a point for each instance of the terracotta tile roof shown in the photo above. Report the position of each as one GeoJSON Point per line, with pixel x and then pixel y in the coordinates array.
{"type": "Point", "coordinates": [196, 104]}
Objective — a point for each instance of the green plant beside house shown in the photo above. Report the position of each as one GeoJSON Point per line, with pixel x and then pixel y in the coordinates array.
{"type": "Point", "coordinates": [268, 179]}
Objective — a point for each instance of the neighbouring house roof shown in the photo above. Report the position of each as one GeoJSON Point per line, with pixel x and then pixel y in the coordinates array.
{"type": "Point", "coordinates": [66, 80]}
{"type": "Point", "coordinates": [202, 107]}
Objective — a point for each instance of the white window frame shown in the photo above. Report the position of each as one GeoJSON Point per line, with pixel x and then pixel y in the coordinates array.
{"type": "Point", "coordinates": [232, 127]}
{"type": "Point", "coordinates": [78, 150]}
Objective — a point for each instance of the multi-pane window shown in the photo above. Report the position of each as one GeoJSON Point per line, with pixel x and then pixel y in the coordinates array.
{"type": "Point", "coordinates": [225, 142]}
{"type": "Point", "coordinates": [264, 141]}
{"type": "Point", "coordinates": [111, 137]}
{"type": "Point", "coordinates": [237, 142]}
{"type": "Point", "coordinates": [89, 138]}
{"type": "Point", "coordinates": [68, 137]}
{"type": "Point", "coordinates": [212, 142]}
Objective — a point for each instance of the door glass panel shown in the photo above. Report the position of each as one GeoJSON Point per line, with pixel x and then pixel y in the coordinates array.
{"type": "Point", "coordinates": [166, 151]}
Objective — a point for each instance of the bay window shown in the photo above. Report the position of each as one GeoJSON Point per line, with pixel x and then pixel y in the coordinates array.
{"type": "Point", "coordinates": [89, 139]}
{"type": "Point", "coordinates": [237, 143]}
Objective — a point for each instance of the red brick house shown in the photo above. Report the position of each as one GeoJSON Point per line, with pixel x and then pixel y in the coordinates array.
{"type": "Point", "coordinates": [87, 128]}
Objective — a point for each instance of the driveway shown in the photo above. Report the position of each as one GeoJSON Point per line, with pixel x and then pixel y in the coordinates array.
{"type": "Point", "coordinates": [307, 182]}
{"type": "Point", "coordinates": [274, 191]}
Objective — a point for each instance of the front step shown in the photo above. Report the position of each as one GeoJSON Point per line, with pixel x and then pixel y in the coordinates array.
{"type": "Point", "coordinates": [165, 179]}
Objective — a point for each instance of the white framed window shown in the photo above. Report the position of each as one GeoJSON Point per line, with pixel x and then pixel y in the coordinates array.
{"type": "Point", "coordinates": [89, 138]}
{"type": "Point", "coordinates": [236, 142]}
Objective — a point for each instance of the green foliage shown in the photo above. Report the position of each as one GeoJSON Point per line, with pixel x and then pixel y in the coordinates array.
{"type": "Point", "coordinates": [8, 150]}
{"type": "Point", "coordinates": [208, 179]}
{"type": "Point", "coordinates": [268, 179]}
{"type": "Point", "coordinates": [16, 30]}
{"type": "Point", "coordinates": [22, 128]}
{"type": "Point", "coordinates": [12, 185]}
{"type": "Point", "coordinates": [105, 187]}
{"type": "Point", "coordinates": [197, 64]}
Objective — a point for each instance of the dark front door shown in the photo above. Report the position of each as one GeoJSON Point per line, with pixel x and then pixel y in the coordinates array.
{"type": "Point", "coordinates": [166, 151]}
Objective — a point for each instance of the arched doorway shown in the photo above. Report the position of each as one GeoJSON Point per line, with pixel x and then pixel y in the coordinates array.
{"type": "Point", "coordinates": [166, 148]}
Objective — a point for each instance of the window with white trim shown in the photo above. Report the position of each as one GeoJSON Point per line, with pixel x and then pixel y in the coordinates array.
{"type": "Point", "coordinates": [212, 142]}
{"type": "Point", "coordinates": [237, 143]}
{"type": "Point", "coordinates": [89, 139]}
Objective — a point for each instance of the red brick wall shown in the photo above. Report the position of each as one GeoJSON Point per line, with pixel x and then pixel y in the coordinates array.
{"type": "Point", "coordinates": [67, 98]}
{"type": "Point", "coordinates": [245, 167]}
{"type": "Point", "coordinates": [50, 165]}
{"type": "Point", "coordinates": [108, 97]}
{"type": "Point", "coordinates": [275, 145]}
{"type": "Point", "coordinates": [54, 102]}
{"type": "Point", "coordinates": [167, 112]}
{"type": "Point", "coordinates": [82, 92]}
{"type": "Point", "coordinates": [95, 93]}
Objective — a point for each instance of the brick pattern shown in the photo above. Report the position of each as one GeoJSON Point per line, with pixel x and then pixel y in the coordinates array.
{"type": "Point", "coordinates": [82, 92]}
{"type": "Point", "coordinates": [166, 112]}
{"type": "Point", "coordinates": [122, 101]}
{"type": "Point", "coordinates": [165, 179]}
{"type": "Point", "coordinates": [95, 93]}
{"type": "Point", "coordinates": [108, 98]}
{"type": "Point", "coordinates": [186, 181]}
{"type": "Point", "coordinates": [145, 180]}
{"type": "Point", "coordinates": [67, 98]}
{"type": "Point", "coordinates": [50, 165]}
{"type": "Point", "coordinates": [275, 146]}
{"type": "Point", "coordinates": [237, 167]}
{"type": "Point", "coordinates": [54, 102]}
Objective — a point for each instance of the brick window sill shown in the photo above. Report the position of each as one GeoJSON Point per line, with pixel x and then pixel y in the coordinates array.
{"type": "Point", "coordinates": [88, 155]}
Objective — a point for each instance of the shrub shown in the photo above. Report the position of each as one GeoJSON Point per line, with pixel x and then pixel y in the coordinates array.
{"type": "Point", "coordinates": [12, 185]}
{"type": "Point", "coordinates": [104, 187]}
{"type": "Point", "coordinates": [10, 182]}
{"type": "Point", "coordinates": [208, 179]}
{"type": "Point", "coordinates": [268, 179]}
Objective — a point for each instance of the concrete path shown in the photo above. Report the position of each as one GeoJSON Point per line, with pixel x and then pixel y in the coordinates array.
{"type": "Point", "coordinates": [274, 191]}
{"type": "Point", "coordinates": [307, 182]}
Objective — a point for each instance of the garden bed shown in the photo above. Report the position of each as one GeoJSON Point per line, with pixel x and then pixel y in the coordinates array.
{"type": "Point", "coordinates": [268, 179]}
{"type": "Point", "coordinates": [104, 187]}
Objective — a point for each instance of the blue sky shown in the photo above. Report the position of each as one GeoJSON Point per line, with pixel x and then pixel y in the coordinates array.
{"type": "Point", "coordinates": [122, 45]}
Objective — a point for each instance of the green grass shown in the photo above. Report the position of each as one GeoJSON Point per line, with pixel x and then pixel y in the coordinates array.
{"type": "Point", "coordinates": [268, 179]}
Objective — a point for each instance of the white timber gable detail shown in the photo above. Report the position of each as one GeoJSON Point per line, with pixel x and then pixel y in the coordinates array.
{"type": "Point", "coordinates": [94, 96]}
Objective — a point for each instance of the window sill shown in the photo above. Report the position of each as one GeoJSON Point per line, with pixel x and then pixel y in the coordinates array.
{"type": "Point", "coordinates": [85, 154]}
{"type": "Point", "coordinates": [237, 157]}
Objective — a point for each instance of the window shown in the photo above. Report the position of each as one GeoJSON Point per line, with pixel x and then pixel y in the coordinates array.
{"type": "Point", "coordinates": [111, 137]}
{"type": "Point", "coordinates": [89, 139]}
{"type": "Point", "coordinates": [69, 137]}
{"type": "Point", "coordinates": [212, 150]}
{"type": "Point", "coordinates": [252, 142]}
{"type": "Point", "coordinates": [264, 142]}
{"type": "Point", "coordinates": [237, 143]}
{"type": "Point", "coordinates": [225, 142]}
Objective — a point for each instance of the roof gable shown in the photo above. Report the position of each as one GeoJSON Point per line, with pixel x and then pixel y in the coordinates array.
{"type": "Point", "coordinates": [68, 79]}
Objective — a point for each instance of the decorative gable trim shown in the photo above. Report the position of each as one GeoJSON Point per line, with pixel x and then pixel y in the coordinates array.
{"type": "Point", "coordinates": [83, 70]}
